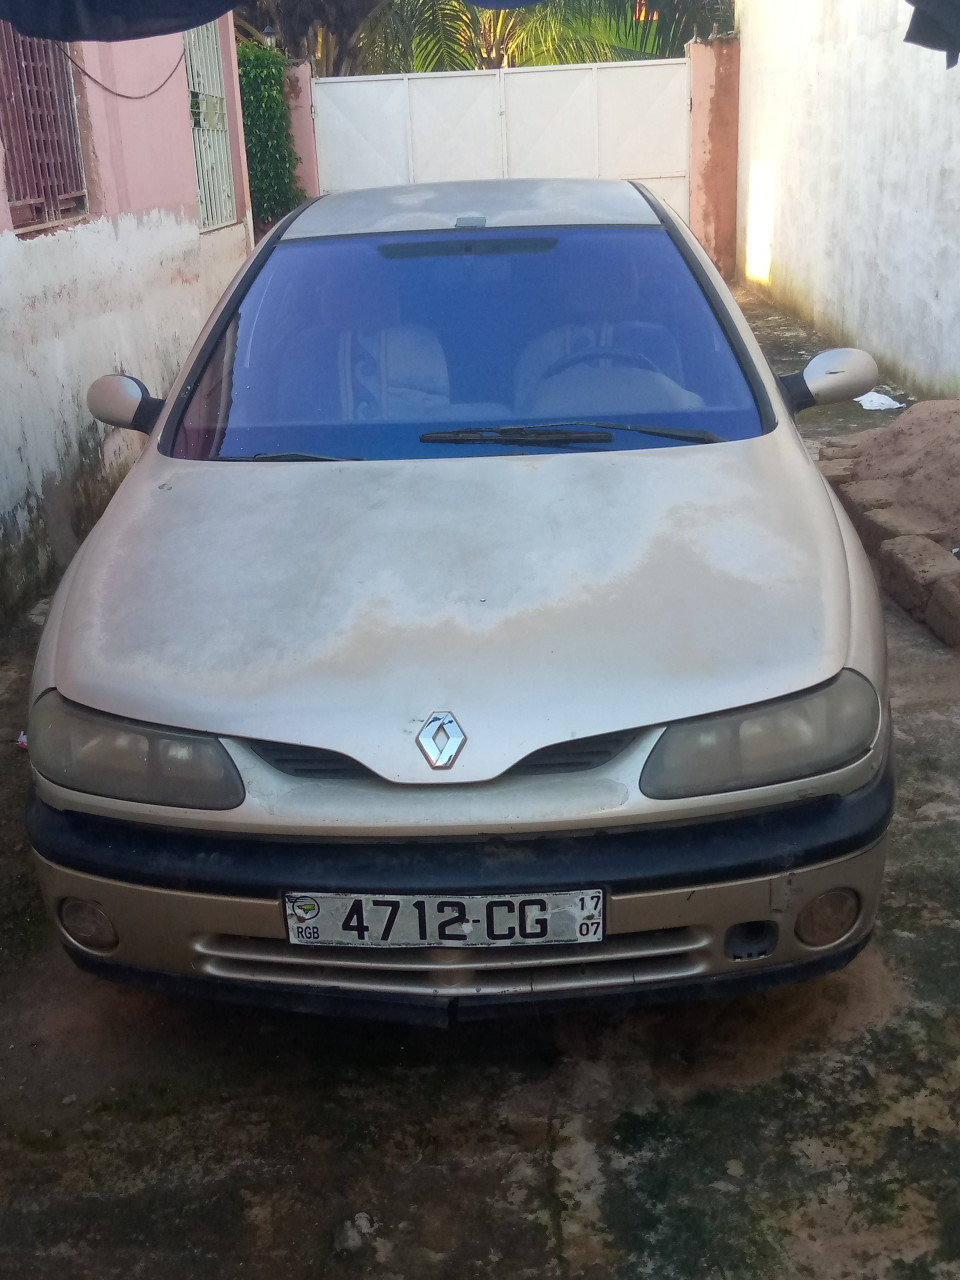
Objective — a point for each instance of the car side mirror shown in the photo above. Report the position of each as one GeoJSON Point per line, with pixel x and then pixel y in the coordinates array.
{"type": "Point", "coordinates": [832, 376]}
{"type": "Point", "coordinates": [122, 401]}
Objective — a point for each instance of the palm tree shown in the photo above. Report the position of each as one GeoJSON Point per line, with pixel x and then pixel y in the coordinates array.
{"type": "Point", "coordinates": [370, 37]}
{"type": "Point", "coordinates": [453, 35]}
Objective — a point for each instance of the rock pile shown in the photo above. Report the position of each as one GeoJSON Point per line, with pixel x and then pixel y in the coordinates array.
{"type": "Point", "coordinates": [900, 485]}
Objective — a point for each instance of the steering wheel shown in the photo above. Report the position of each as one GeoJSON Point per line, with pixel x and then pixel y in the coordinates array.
{"type": "Point", "coordinates": [594, 354]}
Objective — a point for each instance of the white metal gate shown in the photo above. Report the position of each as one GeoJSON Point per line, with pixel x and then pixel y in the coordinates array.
{"type": "Point", "coordinates": [211, 136]}
{"type": "Point", "coordinates": [605, 120]}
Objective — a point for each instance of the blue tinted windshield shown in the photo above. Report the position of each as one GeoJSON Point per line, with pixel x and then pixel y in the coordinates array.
{"type": "Point", "coordinates": [440, 344]}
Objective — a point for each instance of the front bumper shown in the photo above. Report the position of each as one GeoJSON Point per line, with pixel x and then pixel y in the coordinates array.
{"type": "Point", "coordinates": [204, 912]}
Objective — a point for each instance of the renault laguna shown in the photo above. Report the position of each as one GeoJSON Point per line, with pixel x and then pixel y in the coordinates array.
{"type": "Point", "coordinates": [474, 630]}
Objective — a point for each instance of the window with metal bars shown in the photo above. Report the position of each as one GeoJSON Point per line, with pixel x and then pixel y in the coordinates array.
{"type": "Point", "coordinates": [211, 135]}
{"type": "Point", "coordinates": [40, 134]}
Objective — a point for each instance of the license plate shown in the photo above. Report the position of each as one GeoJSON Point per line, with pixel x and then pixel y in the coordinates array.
{"type": "Point", "coordinates": [406, 920]}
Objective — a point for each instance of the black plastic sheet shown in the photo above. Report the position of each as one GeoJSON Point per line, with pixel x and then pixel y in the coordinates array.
{"type": "Point", "coordinates": [108, 19]}
{"type": "Point", "coordinates": [125, 19]}
{"type": "Point", "coordinates": [936, 25]}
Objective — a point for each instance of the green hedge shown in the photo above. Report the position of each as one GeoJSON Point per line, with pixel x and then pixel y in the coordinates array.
{"type": "Point", "coordinates": [271, 159]}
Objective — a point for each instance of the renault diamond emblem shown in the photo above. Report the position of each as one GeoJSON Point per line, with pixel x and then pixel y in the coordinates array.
{"type": "Point", "coordinates": [440, 740]}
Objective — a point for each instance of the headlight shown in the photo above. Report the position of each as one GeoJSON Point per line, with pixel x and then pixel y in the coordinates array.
{"type": "Point", "coordinates": [791, 738]}
{"type": "Point", "coordinates": [107, 756]}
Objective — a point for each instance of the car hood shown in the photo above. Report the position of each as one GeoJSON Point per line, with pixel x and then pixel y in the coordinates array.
{"type": "Point", "coordinates": [537, 598]}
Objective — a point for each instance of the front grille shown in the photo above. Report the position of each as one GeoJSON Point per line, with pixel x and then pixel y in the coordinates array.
{"type": "Point", "coordinates": [574, 756]}
{"type": "Point", "coordinates": [619, 961]}
{"type": "Point", "coordinates": [310, 762]}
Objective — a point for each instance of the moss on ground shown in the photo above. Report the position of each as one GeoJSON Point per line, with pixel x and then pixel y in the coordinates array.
{"type": "Point", "coordinates": [725, 1184]}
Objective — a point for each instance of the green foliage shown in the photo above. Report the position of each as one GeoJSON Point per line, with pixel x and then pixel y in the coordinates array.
{"type": "Point", "coordinates": [453, 35]}
{"type": "Point", "coordinates": [271, 159]}
{"type": "Point", "coordinates": [667, 26]}
{"type": "Point", "coordinates": [377, 37]}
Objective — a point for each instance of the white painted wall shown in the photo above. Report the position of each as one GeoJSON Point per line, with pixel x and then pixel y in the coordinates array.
{"type": "Point", "coordinates": [849, 179]}
{"type": "Point", "coordinates": [130, 294]}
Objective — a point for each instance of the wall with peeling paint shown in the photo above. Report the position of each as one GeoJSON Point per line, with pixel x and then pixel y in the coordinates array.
{"type": "Point", "coordinates": [126, 289]}
{"type": "Point", "coordinates": [128, 294]}
{"type": "Point", "coordinates": [850, 179]}
{"type": "Point", "coordinates": [714, 127]}
{"type": "Point", "coordinates": [849, 184]}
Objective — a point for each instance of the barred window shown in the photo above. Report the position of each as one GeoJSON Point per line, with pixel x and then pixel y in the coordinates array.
{"type": "Point", "coordinates": [39, 130]}
{"type": "Point", "coordinates": [211, 136]}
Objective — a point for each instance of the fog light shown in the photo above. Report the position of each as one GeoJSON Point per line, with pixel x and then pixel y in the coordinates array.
{"type": "Point", "coordinates": [88, 924]}
{"type": "Point", "coordinates": [828, 917]}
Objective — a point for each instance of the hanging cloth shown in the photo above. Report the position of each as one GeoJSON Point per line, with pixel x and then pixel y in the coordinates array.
{"type": "Point", "coordinates": [936, 25]}
{"type": "Point", "coordinates": [108, 19]}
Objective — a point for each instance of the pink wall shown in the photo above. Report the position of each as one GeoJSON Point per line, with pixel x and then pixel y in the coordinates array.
{"type": "Point", "coordinates": [299, 96]}
{"type": "Point", "coordinates": [141, 151]}
{"type": "Point", "coordinates": [714, 128]}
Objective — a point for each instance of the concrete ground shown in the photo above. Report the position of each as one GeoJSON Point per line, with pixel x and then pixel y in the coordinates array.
{"type": "Point", "coordinates": [808, 1132]}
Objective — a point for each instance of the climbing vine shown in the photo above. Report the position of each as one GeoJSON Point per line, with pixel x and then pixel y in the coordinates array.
{"type": "Point", "coordinates": [271, 159]}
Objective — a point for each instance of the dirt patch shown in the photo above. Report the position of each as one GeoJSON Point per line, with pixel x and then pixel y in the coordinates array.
{"type": "Point", "coordinates": [64, 1035]}
{"type": "Point", "coordinates": [747, 1041]}
{"type": "Point", "coordinates": [831, 1240]}
{"type": "Point", "coordinates": [918, 455]}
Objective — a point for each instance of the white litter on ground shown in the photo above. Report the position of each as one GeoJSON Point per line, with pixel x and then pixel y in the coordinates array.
{"type": "Point", "coordinates": [877, 400]}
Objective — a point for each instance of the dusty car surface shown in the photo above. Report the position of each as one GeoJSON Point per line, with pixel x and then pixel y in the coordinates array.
{"type": "Point", "coordinates": [473, 630]}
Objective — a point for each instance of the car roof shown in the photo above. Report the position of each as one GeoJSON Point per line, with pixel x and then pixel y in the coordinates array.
{"type": "Point", "coordinates": [443, 206]}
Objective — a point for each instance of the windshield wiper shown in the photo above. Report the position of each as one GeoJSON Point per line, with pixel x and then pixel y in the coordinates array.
{"type": "Point", "coordinates": [296, 457]}
{"type": "Point", "coordinates": [669, 433]}
{"type": "Point", "coordinates": [544, 436]}
{"type": "Point", "coordinates": [554, 433]}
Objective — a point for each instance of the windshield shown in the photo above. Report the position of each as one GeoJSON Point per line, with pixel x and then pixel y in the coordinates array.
{"type": "Point", "coordinates": [481, 342]}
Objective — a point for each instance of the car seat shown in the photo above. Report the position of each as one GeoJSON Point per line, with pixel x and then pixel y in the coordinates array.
{"type": "Point", "coordinates": [358, 360]}
{"type": "Point", "coordinates": [602, 302]}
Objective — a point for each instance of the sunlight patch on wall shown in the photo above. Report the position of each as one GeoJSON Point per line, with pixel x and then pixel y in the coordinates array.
{"type": "Point", "coordinates": [760, 218]}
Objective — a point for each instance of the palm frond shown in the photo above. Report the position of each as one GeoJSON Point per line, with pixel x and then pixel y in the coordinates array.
{"type": "Point", "coordinates": [663, 28]}
{"type": "Point", "coordinates": [450, 35]}
{"type": "Point", "coordinates": [442, 37]}
{"type": "Point", "coordinates": [558, 32]}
